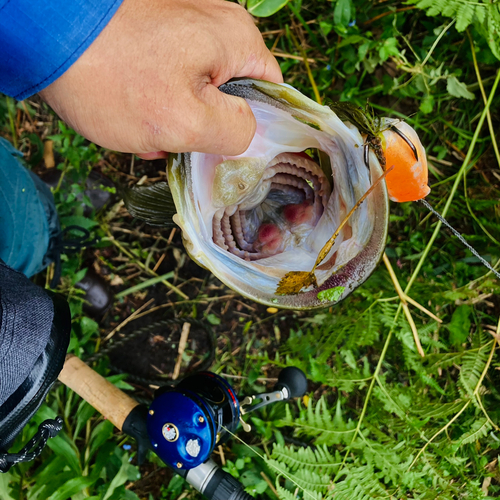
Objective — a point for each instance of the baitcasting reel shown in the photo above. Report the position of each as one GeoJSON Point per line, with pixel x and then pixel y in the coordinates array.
{"type": "Point", "coordinates": [187, 422]}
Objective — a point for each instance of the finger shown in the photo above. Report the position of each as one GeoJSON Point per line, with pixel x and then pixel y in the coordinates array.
{"type": "Point", "coordinates": [264, 68]}
{"type": "Point", "coordinates": [226, 125]}
{"type": "Point", "coordinates": [155, 155]}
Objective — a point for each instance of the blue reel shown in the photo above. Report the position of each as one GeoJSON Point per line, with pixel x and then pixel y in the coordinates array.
{"type": "Point", "coordinates": [185, 423]}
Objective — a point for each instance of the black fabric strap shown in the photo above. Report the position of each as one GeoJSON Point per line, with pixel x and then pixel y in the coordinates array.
{"type": "Point", "coordinates": [47, 429]}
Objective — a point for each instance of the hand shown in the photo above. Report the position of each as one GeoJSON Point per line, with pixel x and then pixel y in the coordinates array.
{"type": "Point", "coordinates": [148, 83]}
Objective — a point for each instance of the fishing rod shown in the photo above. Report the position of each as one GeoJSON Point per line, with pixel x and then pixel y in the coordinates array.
{"type": "Point", "coordinates": [184, 423]}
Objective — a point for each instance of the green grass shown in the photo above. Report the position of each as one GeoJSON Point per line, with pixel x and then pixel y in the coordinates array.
{"type": "Point", "coordinates": [380, 420]}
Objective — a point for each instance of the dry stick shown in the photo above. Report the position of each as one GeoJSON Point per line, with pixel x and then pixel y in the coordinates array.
{"type": "Point", "coordinates": [182, 345]}
{"type": "Point", "coordinates": [388, 13]}
{"type": "Point", "coordinates": [406, 310]}
{"type": "Point", "coordinates": [405, 298]}
{"type": "Point", "coordinates": [141, 265]}
{"type": "Point", "coordinates": [127, 320]}
{"type": "Point", "coordinates": [268, 481]}
{"type": "Point", "coordinates": [171, 236]}
{"type": "Point", "coordinates": [222, 456]}
{"type": "Point", "coordinates": [157, 265]}
{"type": "Point", "coordinates": [291, 56]}
{"type": "Point", "coordinates": [308, 69]}
{"type": "Point", "coordinates": [423, 309]}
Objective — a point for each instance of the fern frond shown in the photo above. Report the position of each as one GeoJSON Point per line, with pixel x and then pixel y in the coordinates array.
{"type": "Point", "coordinates": [307, 495]}
{"type": "Point", "coordinates": [485, 17]}
{"type": "Point", "coordinates": [305, 479]}
{"type": "Point", "coordinates": [470, 372]}
{"type": "Point", "coordinates": [319, 459]}
{"type": "Point", "coordinates": [317, 421]}
{"type": "Point", "coordinates": [438, 410]}
{"type": "Point", "coordinates": [478, 430]}
{"type": "Point", "coordinates": [493, 23]}
{"type": "Point", "coordinates": [360, 483]}
{"type": "Point", "coordinates": [442, 360]}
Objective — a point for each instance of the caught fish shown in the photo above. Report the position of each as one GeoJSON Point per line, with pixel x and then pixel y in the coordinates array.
{"type": "Point", "coordinates": [255, 218]}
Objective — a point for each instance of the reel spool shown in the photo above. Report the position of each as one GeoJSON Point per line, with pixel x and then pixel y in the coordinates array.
{"type": "Point", "coordinates": [187, 422]}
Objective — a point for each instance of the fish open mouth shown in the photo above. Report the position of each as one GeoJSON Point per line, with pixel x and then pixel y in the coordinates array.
{"type": "Point", "coordinates": [299, 220]}
{"type": "Point", "coordinates": [252, 219]}
{"type": "Point", "coordinates": [292, 197]}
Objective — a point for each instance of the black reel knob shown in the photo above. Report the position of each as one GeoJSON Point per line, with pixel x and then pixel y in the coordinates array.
{"type": "Point", "coordinates": [294, 380]}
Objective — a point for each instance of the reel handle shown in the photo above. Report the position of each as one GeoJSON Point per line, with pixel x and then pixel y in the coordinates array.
{"type": "Point", "coordinates": [294, 380]}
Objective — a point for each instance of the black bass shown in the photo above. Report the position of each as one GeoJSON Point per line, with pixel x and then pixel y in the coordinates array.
{"type": "Point", "coordinates": [253, 218]}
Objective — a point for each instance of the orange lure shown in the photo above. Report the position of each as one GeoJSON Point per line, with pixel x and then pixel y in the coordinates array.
{"type": "Point", "coordinates": [408, 179]}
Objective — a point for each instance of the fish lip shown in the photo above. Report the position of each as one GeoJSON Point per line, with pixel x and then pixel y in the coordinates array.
{"type": "Point", "coordinates": [364, 263]}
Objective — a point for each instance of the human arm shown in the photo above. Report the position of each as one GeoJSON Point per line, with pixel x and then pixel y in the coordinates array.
{"type": "Point", "coordinates": [148, 82]}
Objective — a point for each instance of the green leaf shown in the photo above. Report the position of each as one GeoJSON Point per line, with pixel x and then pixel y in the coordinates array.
{"type": "Point", "coordinates": [458, 89]}
{"type": "Point", "coordinates": [102, 432]}
{"type": "Point", "coordinates": [478, 430]}
{"type": "Point", "coordinates": [342, 12]}
{"type": "Point", "coordinates": [36, 156]}
{"type": "Point", "coordinates": [78, 220]}
{"type": "Point", "coordinates": [427, 104]}
{"type": "Point", "coordinates": [78, 276]}
{"type": "Point", "coordinates": [325, 27]}
{"type": "Point", "coordinates": [126, 473]}
{"type": "Point", "coordinates": [465, 14]}
{"type": "Point", "coordinates": [4, 486]}
{"type": "Point", "coordinates": [88, 326]}
{"type": "Point", "coordinates": [388, 48]}
{"type": "Point", "coordinates": [71, 487]}
{"type": "Point", "coordinates": [213, 319]}
{"type": "Point", "coordinates": [332, 294]}
{"type": "Point", "coordinates": [63, 446]}
{"type": "Point", "coordinates": [459, 326]}
{"type": "Point", "coordinates": [83, 414]}
{"type": "Point", "coordinates": [265, 8]}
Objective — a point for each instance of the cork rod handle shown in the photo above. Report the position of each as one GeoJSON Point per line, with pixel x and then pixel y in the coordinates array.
{"type": "Point", "coordinates": [107, 399]}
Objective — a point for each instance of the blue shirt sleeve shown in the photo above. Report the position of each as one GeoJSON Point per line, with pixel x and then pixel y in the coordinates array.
{"type": "Point", "coordinates": [41, 39]}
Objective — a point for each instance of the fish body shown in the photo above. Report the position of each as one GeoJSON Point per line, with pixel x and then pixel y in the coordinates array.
{"type": "Point", "coordinates": [253, 219]}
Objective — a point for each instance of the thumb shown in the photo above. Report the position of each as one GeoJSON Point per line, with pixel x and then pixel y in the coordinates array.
{"type": "Point", "coordinates": [228, 123]}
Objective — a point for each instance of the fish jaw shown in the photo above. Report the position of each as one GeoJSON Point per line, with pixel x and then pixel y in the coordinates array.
{"type": "Point", "coordinates": [352, 259]}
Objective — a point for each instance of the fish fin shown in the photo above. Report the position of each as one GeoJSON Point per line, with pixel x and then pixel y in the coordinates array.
{"type": "Point", "coordinates": [152, 204]}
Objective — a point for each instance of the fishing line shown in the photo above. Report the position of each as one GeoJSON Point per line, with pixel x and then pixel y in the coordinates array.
{"type": "Point", "coordinates": [460, 237]}
{"type": "Point", "coordinates": [283, 473]}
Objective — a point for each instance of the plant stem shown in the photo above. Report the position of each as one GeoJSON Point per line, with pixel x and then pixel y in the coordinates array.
{"type": "Point", "coordinates": [370, 389]}
{"type": "Point", "coordinates": [140, 264]}
{"type": "Point", "coordinates": [483, 93]}
{"type": "Point", "coordinates": [145, 284]}
{"type": "Point", "coordinates": [455, 184]}
{"type": "Point", "coordinates": [296, 13]}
